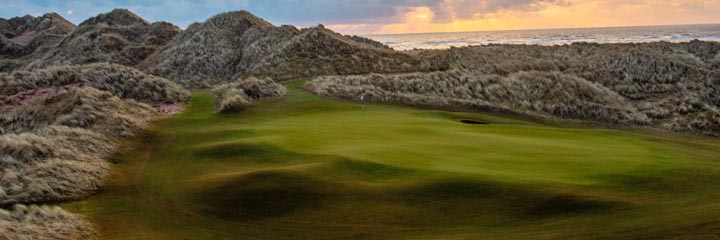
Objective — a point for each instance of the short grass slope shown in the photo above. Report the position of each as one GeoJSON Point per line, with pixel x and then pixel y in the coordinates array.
{"type": "Point", "coordinates": [311, 168]}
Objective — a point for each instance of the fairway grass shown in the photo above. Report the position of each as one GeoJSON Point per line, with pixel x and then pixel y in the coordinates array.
{"type": "Point", "coordinates": [306, 167]}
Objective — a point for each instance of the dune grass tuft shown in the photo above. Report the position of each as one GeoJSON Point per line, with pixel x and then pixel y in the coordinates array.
{"type": "Point", "coordinates": [242, 93]}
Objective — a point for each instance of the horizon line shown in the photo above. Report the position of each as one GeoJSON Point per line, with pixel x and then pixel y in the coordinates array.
{"type": "Point", "coordinates": [536, 29]}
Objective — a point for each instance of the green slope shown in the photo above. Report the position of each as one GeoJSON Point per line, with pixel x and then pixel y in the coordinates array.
{"type": "Point", "coordinates": [312, 168]}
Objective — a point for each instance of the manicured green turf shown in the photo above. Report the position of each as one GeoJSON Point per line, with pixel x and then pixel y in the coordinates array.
{"type": "Point", "coordinates": [312, 168]}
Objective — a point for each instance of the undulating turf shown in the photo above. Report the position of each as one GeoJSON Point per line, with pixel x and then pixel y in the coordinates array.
{"type": "Point", "coordinates": [311, 168]}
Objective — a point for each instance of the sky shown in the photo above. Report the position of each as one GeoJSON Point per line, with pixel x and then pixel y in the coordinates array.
{"type": "Point", "coordinates": [397, 16]}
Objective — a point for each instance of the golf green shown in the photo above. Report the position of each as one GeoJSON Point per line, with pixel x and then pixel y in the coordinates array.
{"type": "Point", "coordinates": [307, 167]}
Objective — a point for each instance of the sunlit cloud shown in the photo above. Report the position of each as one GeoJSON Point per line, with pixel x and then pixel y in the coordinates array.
{"type": "Point", "coordinates": [553, 14]}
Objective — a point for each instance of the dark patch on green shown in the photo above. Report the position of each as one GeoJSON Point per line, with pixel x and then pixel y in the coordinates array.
{"type": "Point", "coordinates": [262, 195]}
{"type": "Point", "coordinates": [475, 122]}
{"type": "Point", "coordinates": [458, 189]}
{"type": "Point", "coordinates": [571, 204]}
{"type": "Point", "coordinates": [367, 170]}
{"type": "Point", "coordinates": [668, 181]}
{"type": "Point", "coordinates": [266, 153]}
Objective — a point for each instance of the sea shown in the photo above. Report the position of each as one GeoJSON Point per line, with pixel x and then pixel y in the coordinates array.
{"type": "Point", "coordinates": [675, 33]}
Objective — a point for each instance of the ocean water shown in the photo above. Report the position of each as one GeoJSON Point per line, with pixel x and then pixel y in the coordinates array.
{"type": "Point", "coordinates": [679, 33]}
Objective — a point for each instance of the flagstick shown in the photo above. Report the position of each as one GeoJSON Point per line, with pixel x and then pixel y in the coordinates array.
{"type": "Point", "coordinates": [362, 99]}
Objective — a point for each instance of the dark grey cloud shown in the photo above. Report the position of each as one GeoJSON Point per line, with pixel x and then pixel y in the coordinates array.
{"type": "Point", "coordinates": [468, 9]}
{"type": "Point", "coordinates": [338, 11]}
{"type": "Point", "coordinates": [384, 12]}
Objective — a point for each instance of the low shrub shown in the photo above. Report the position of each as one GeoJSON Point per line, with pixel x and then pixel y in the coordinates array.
{"type": "Point", "coordinates": [43, 223]}
{"type": "Point", "coordinates": [121, 81]}
{"type": "Point", "coordinates": [237, 95]}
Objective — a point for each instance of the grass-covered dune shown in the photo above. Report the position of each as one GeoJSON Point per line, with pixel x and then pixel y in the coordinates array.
{"type": "Point", "coordinates": [311, 168]}
{"type": "Point", "coordinates": [234, 44]}
{"type": "Point", "coordinates": [42, 222]}
{"type": "Point", "coordinates": [56, 135]}
{"type": "Point", "coordinates": [542, 94]}
{"type": "Point", "coordinates": [27, 38]}
{"type": "Point", "coordinates": [244, 92]}
{"type": "Point", "coordinates": [55, 149]}
{"type": "Point", "coordinates": [671, 86]}
{"type": "Point", "coordinates": [121, 81]}
{"type": "Point", "coordinates": [118, 36]}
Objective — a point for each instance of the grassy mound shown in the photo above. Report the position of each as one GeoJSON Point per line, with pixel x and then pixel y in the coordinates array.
{"type": "Point", "coordinates": [25, 39]}
{"type": "Point", "coordinates": [240, 94]}
{"type": "Point", "coordinates": [533, 93]}
{"type": "Point", "coordinates": [54, 141]}
{"type": "Point", "coordinates": [54, 148]}
{"type": "Point", "coordinates": [121, 81]}
{"type": "Point", "coordinates": [53, 164]}
{"type": "Point", "coordinates": [234, 44]}
{"type": "Point", "coordinates": [119, 37]}
{"type": "Point", "coordinates": [86, 108]}
{"type": "Point", "coordinates": [263, 194]}
{"type": "Point", "coordinates": [672, 86]}
{"type": "Point", "coordinates": [42, 222]}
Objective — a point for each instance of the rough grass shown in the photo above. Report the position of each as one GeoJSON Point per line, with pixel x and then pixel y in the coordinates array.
{"type": "Point", "coordinates": [118, 36]}
{"type": "Point", "coordinates": [121, 81]}
{"type": "Point", "coordinates": [43, 223]}
{"type": "Point", "coordinates": [672, 86]}
{"type": "Point", "coordinates": [313, 168]}
{"type": "Point", "coordinates": [53, 164]}
{"type": "Point", "coordinates": [25, 39]}
{"type": "Point", "coordinates": [86, 108]}
{"type": "Point", "coordinates": [234, 96]}
{"type": "Point", "coordinates": [544, 94]}
{"type": "Point", "coordinates": [54, 146]}
{"type": "Point", "coordinates": [234, 44]}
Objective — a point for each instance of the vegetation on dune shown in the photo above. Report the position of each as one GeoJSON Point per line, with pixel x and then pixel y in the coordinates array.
{"type": "Point", "coordinates": [25, 39]}
{"type": "Point", "coordinates": [43, 223]}
{"type": "Point", "coordinates": [121, 81]}
{"type": "Point", "coordinates": [119, 37]}
{"type": "Point", "coordinates": [234, 44]}
{"type": "Point", "coordinates": [671, 86]}
{"type": "Point", "coordinates": [52, 164]}
{"type": "Point", "coordinates": [218, 50]}
{"type": "Point", "coordinates": [84, 107]}
{"type": "Point", "coordinates": [533, 93]}
{"type": "Point", "coordinates": [242, 93]}
{"type": "Point", "coordinates": [319, 51]}
{"type": "Point", "coordinates": [24, 35]}
{"type": "Point", "coordinates": [54, 148]}
{"type": "Point", "coordinates": [208, 52]}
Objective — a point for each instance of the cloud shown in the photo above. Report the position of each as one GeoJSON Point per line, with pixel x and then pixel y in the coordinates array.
{"type": "Point", "coordinates": [388, 11]}
{"type": "Point", "coordinates": [371, 16]}
{"type": "Point", "coordinates": [450, 10]}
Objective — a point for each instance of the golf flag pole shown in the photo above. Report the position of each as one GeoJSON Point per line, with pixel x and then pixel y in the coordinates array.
{"type": "Point", "coordinates": [362, 99]}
